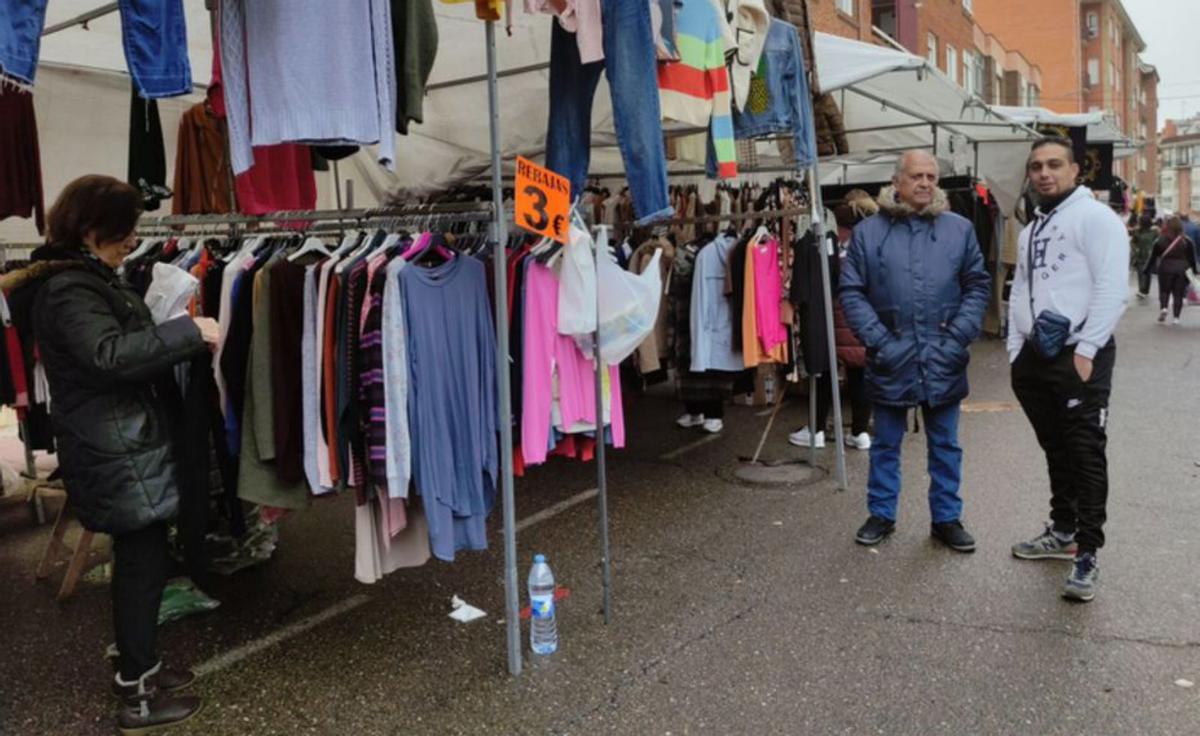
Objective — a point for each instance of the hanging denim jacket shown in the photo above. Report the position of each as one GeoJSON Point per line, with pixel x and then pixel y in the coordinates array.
{"type": "Point", "coordinates": [780, 100]}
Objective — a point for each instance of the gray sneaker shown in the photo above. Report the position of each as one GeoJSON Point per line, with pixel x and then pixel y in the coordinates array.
{"type": "Point", "coordinates": [1081, 584]}
{"type": "Point", "coordinates": [1045, 546]}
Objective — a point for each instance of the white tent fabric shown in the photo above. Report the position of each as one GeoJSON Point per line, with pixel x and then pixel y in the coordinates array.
{"type": "Point", "coordinates": [842, 62]}
{"type": "Point", "coordinates": [879, 88]}
{"type": "Point", "coordinates": [1099, 128]}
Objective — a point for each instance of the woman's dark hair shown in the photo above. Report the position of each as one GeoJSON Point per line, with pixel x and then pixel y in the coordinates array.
{"type": "Point", "coordinates": [1145, 222]}
{"type": "Point", "coordinates": [1173, 227]}
{"type": "Point", "coordinates": [97, 204]}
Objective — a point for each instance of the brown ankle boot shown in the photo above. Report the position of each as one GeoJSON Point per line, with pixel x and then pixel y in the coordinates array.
{"type": "Point", "coordinates": [165, 678]}
{"type": "Point", "coordinates": [146, 708]}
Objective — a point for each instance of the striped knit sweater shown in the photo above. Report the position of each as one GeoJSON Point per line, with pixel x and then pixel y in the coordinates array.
{"type": "Point", "coordinates": [695, 89]}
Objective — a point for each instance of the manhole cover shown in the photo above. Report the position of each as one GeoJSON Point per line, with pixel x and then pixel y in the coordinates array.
{"type": "Point", "coordinates": [783, 474]}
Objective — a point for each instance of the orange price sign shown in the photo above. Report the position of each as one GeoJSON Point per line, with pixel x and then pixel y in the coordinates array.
{"type": "Point", "coordinates": [543, 201]}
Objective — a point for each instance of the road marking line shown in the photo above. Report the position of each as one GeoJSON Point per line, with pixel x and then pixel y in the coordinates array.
{"type": "Point", "coordinates": [556, 509]}
{"type": "Point", "coordinates": [249, 649]}
{"type": "Point", "coordinates": [987, 407]}
{"type": "Point", "coordinates": [689, 447]}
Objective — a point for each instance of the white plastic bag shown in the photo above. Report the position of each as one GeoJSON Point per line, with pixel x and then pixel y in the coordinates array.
{"type": "Point", "coordinates": [628, 304]}
{"type": "Point", "coordinates": [577, 285]}
{"type": "Point", "coordinates": [171, 289]}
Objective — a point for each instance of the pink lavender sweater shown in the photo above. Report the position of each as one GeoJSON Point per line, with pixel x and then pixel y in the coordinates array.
{"type": "Point", "coordinates": [547, 353]}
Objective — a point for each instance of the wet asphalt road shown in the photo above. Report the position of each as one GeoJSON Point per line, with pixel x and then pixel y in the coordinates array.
{"type": "Point", "coordinates": [738, 609]}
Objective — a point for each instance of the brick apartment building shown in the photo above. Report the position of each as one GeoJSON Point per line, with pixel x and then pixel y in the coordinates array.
{"type": "Point", "coordinates": [1147, 158]}
{"type": "Point", "coordinates": [1179, 154]}
{"type": "Point", "coordinates": [946, 32]}
{"type": "Point", "coordinates": [1088, 52]}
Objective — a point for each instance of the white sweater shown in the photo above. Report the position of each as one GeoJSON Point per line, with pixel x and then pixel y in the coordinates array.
{"type": "Point", "coordinates": [1080, 270]}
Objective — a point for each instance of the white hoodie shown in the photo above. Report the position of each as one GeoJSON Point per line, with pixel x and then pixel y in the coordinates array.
{"type": "Point", "coordinates": [1080, 270]}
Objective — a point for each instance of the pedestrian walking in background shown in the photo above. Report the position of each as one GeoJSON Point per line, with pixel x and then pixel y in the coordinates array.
{"type": "Point", "coordinates": [1069, 291]}
{"type": "Point", "coordinates": [914, 289]}
{"type": "Point", "coordinates": [1141, 245]}
{"type": "Point", "coordinates": [850, 352]}
{"type": "Point", "coordinates": [109, 368]}
{"type": "Point", "coordinates": [1191, 229]}
{"type": "Point", "coordinates": [1173, 256]}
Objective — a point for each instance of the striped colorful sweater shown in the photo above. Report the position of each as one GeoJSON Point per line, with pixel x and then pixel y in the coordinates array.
{"type": "Point", "coordinates": [695, 89]}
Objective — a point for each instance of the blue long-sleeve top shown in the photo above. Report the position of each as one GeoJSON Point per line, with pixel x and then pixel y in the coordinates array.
{"type": "Point", "coordinates": [452, 400]}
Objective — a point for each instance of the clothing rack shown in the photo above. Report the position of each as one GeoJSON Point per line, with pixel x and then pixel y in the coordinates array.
{"type": "Point", "coordinates": [447, 213]}
{"type": "Point", "coordinates": [476, 210]}
{"type": "Point", "coordinates": [489, 211]}
{"type": "Point", "coordinates": [815, 211]}
{"type": "Point", "coordinates": [759, 215]}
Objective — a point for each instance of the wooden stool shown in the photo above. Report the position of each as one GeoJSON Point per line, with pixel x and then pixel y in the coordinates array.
{"type": "Point", "coordinates": [57, 550]}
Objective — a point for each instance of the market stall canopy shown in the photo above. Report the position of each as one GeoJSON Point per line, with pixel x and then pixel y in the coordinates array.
{"type": "Point", "coordinates": [843, 62]}
{"type": "Point", "coordinates": [1100, 129]}
{"type": "Point", "coordinates": [893, 100]}
{"type": "Point", "coordinates": [890, 100]}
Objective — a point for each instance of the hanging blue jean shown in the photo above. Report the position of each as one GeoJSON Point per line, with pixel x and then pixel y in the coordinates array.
{"type": "Point", "coordinates": [21, 38]}
{"type": "Point", "coordinates": [633, 81]}
{"type": "Point", "coordinates": [944, 462]}
{"type": "Point", "coordinates": [155, 38]}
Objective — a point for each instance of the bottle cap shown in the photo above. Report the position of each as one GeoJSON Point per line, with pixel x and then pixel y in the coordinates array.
{"type": "Point", "coordinates": [539, 559]}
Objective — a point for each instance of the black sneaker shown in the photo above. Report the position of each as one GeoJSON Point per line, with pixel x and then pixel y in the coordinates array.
{"type": "Point", "coordinates": [874, 530]}
{"type": "Point", "coordinates": [1081, 584]}
{"type": "Point", "coordinates": [952, 534]}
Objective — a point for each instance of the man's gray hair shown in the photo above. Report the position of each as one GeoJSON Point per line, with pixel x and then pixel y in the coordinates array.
{"type": "Point", "coordinates": [902, 161]}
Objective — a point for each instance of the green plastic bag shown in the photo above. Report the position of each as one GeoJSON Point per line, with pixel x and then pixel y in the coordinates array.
{"type": "Point", "coordinates": [181, 599]}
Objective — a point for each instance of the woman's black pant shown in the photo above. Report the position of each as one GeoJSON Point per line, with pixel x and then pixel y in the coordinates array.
{"type": "Point", "coordinates": [710, 409]}
{"type": "Point", "coordinates": [140, 568]}
{"type": "Point", "coordinates": [856, 392]}
{"type": "Point", "coordinates": [1172, 285]}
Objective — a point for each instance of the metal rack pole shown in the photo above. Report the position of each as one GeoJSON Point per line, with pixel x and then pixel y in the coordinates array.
{"type": "Point", "coordinates": [511, 591]}
{"type": "Point", "coordinates": [601, 458]}
{"type": "Point", "coordinates": [818, 230]}
{"type": "Point", "coordinates": [813, 388]}
{"type": "Point", "coordinates": [818, 214]}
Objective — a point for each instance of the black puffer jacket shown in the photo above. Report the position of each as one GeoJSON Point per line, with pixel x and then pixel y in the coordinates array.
{"type": "Point", "coordinates": [108, 367]}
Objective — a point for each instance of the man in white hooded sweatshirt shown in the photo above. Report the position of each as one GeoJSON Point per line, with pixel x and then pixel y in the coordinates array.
{"type": "Point", "coordinates": [1070, 290]}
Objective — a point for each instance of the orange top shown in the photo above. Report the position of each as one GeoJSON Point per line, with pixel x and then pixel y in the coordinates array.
{"type": "Point", "coordinates": [752, 350]}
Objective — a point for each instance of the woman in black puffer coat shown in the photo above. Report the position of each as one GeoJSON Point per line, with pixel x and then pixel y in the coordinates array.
{"type": "Point", "coordinates": [108, 366]}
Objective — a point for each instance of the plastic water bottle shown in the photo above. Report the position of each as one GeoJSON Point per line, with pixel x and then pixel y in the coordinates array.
{"type": "Point", "coordinates": [543, 630]}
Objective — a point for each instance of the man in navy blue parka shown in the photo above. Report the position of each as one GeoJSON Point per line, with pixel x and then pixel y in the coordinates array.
{"type": "Point", "coordinates": [914, 289]}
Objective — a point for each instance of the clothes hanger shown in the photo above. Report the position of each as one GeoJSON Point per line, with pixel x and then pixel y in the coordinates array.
{"type": "Point", "coordinates": [143, 248]}
{"type": "Point", "coordinates": [421, 245]}
{"type": "Point", "coordinates": [388, 242]}
{"type": "Point", "coordinates": [312, 244]}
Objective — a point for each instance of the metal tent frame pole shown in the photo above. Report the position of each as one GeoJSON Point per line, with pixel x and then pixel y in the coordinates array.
{"type": "Point", "coordinates": [512, 595]}
{"type": "Point", "coordinates": [601, 454]}
{"type": "Point", "coordinates": [818, 229]}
